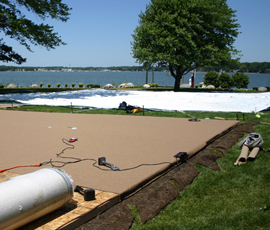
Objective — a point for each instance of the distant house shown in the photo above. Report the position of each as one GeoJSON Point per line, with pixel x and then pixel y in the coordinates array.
{"type": "Point", "coordinates": [66, 70]}
{"type": "Point", "coordinates": [42, 70]}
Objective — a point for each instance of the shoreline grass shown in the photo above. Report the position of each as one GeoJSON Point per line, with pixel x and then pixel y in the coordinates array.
{"type": "Point", "coordinates": [154, 89]}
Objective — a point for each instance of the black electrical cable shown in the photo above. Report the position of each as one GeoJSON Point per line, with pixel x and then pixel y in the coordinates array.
{"type": "Point", "coordinates": [55, 164]}
{"type": "Point", "coordinates": [177, 163]}
{"type": "Point", "coordinates": [77, 160]}
{"type": "Point", "coordinates": [126, 169]}
{"type": "Point", "coordinates": [63, 163]}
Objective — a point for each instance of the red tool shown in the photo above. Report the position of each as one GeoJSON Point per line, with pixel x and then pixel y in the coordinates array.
{"type": "Point", "coordinates": [73, 139]}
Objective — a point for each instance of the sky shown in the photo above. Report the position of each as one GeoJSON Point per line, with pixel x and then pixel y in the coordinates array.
{"type": "Point", "coordinates": [99, 34]}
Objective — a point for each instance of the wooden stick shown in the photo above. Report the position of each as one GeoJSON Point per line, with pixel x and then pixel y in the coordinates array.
{"type": "Point", "coordinates": [264, 123]}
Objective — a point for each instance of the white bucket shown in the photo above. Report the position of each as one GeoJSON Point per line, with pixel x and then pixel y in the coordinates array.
{"type": "Point", "coordinates": [27, 197]}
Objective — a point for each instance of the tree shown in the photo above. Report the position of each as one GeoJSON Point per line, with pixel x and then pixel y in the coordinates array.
{"type": "Point", "coordinates": [225, 81]}
{"type": "Point", "coordinates": [16, 26]}
{"type": "Point", "coordinates": [211, 78]}
{"type": "Point", "coordinates": [186, 35]}
{"type": "Point", "coordinates": [243, 68]}
{"type": "Point", "coordinates": [240, 80]}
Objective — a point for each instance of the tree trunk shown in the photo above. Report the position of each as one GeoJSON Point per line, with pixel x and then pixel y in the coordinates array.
{"type": "Point", "coordinates": [177, 76]}
{"type": "Point", "coordinates": [177, 83]}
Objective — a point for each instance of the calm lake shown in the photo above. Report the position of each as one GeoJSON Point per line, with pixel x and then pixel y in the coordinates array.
{"type": "Point", "coordinates": [25, 79]}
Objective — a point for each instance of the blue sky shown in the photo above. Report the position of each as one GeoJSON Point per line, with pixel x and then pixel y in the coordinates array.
{"type": "Point", "coordinates": [99, 34]}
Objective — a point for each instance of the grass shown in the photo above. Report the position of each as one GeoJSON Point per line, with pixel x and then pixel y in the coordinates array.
{"type": "Point", "coordinates": [154, 89]}
{"type": "Point", "coordinates": [36, 90]}
{"type": "Point", "coordinates": [229, 199]}
{"type": "Point", "coordinates": [244, 117]}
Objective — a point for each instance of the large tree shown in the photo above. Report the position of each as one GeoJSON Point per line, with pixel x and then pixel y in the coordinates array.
{"type": "Point", "coordinates": [185, 35]}
{"type": "Point", "coordinates": [14, 24]}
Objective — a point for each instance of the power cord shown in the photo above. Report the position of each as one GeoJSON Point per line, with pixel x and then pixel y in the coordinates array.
{"type": "Point", "coordinates": [76, 160]}
{"type": "Point", "coordinates": [126, 169]}
{"type": "Point", "coordinates": [60, 164]}
{"type": "Point", "coordinates": [63, 163]}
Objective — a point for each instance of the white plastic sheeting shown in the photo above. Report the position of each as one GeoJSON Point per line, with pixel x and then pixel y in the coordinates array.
{"type": "Point", "coordinates": [181, 101]}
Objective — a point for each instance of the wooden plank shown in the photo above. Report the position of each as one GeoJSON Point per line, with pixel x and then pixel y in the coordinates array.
{"type": "Point", "coordinates": [5, 106]}
{"type": "Point", "coordinates": [74, 213]}
{"type": "Point", "coordinates": [6, 175]}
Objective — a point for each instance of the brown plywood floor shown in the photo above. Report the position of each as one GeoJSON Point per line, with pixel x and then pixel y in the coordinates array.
{"type": "Point", "coordinates": [125, 141]}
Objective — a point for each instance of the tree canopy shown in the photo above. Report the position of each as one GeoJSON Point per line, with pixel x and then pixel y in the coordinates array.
{"type": "Point", "coordinates": [240, 80]}
{"type": "Point", "coordinates": [15, 25]}
{"type": "Point", "coordinates": [211, 78]}
{"type": "Point", "coordinates": [186, 35]}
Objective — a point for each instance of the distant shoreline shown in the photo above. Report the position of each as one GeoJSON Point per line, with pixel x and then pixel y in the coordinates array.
{"type": "Point", "coordinates": [29, 71]}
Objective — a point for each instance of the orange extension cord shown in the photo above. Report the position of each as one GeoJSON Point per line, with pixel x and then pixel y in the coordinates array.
{"type": "Point", "coordinates": [34, 165]}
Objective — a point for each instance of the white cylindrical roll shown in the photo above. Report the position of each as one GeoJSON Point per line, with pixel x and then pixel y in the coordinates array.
{"type": "Point", "coordinates": [27, 197]}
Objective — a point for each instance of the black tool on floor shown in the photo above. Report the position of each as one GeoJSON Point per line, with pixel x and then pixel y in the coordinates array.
{"type": "Point", "coordinates": [194, 119]}
{"type": "Point", "coordinates": [102, 161]}
{"type": "Point", "coordinates": [182, 156]}
{"type": "Point", "coordinates": [89, 194]}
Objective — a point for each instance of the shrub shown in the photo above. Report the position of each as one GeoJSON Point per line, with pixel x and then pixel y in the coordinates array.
{"type": "Point", "coordinates": [80, 85]}
{"type": "Point", "coordinates": [73, 84]}
{"type": "Point", "coordinates": [255, 88]}
{"type": "Point", "coordinates": [196, 86]}
{"type": "Point", "coordinates": [226, 82]}
{"type": "Point", "coordinates": [49, 85]}
{"type": "Point", "coordinates": [268, 88]}
{"type": "Point", "coordinates": [240, 80]}
{"type": "Point", "coordinates": [93, 86]}
{"type": "Point", "coordinates": [211, 78]}
{"type": "Point", "coordinates": [2, 86]}
{"type": "Point", "coordinates": [41, 84]}
{"type": "Point", "coordinates": [66, 85]}
{"type": "Point", "coordinates": [58, 85]}
{"type": "Point", "coordinates": [153, 84]}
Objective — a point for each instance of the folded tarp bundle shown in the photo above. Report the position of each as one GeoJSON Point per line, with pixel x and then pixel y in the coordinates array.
{"type": "Point", "coordinates": [122, 105]}
{"type": "Point", "coordinates": [130, 108]}
{"type": "Point", "coordinates": [253, 141]}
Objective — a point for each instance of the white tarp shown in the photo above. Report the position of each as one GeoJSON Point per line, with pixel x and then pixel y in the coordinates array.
{"type": "Point", "coordinates": [181, 101]}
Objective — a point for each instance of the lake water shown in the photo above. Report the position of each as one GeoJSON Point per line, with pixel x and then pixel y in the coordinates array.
{"type": "Point", "coordinates": [102, 78]}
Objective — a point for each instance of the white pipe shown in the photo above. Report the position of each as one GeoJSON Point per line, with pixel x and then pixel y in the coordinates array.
{"type": "Point", "coordinates": [27, 197]}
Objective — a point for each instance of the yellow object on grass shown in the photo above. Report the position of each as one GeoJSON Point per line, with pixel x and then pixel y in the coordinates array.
{"type": "Point", "coordinates": [137, 110]}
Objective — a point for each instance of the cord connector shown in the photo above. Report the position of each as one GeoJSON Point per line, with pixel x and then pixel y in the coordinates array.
{"type": "Point", "coordinates": [180, 155]}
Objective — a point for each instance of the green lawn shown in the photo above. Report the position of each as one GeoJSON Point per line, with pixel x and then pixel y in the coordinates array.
{"type": "Point", "coordinates": [238, 197]}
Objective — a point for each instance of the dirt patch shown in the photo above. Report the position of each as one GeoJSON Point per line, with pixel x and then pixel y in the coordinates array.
{"type": "Point", "coordinates": [121, 219]}
{"type": "Point", "coordinates": [150, 205]}
{"type": "Point", "coordinates": [185, 176]}
{"type": "Point", "coordinates": [207, 158]}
